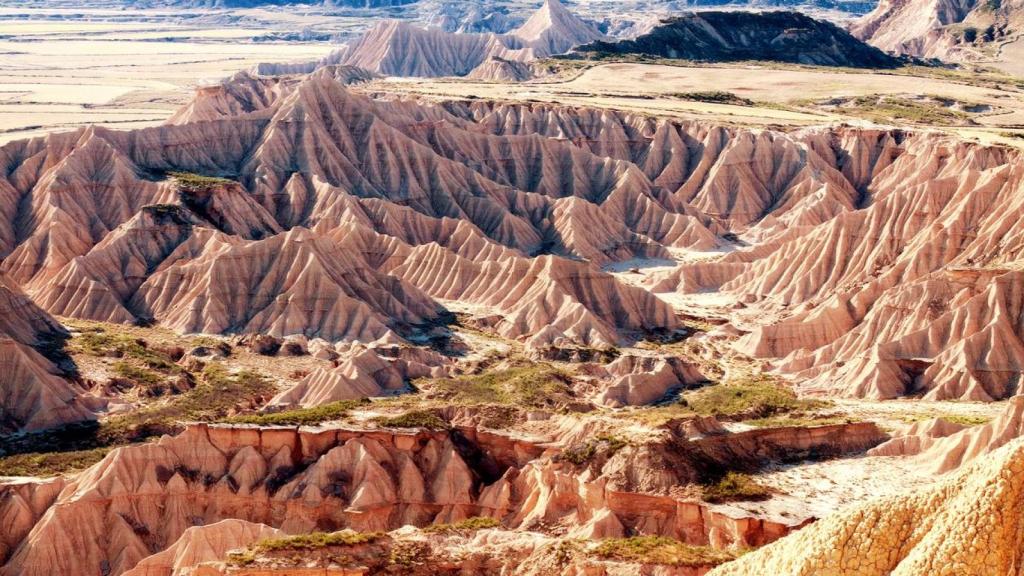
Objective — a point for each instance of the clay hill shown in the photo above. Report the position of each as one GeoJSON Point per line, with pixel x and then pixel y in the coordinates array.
{"type": "Point", "coordinates": [946, 30]}
{"type": "Point", "coordinates": [968, 525]}
{"type": "Point", "coordinates": [398, 48]}
{"type": "Point", "coordinates": [515, 209]}
{"type": "Point", "coordinates": [730, 36]}
{"type": "Point", "coordinates": [35, 394]}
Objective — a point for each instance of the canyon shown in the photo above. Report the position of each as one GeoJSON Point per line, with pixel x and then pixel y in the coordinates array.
{"type": "Point", "coordinates": [526, 291]}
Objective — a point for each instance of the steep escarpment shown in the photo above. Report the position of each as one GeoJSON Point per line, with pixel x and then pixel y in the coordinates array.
{"type": "Point", "coordinates": [969, 524]}
{"type": "Point", "coordinates": [145, 499]}
{"type": "Point", "coordinates": [731, 36]}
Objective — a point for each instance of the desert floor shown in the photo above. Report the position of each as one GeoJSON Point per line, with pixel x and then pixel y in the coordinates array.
{"type": "Point", "coordinates": [58, 75]}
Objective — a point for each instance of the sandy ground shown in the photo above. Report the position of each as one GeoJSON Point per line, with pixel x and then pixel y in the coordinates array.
{"type": "Point", "coordinates": [1011, 58]}
{"type": "Point", "coordinates": [61, 75]}
{"type": "Point", "coordinates": [819, 489]}
{"type": "Point", "coordinates": [648, 88]}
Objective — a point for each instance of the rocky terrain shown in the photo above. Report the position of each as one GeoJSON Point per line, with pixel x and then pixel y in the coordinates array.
{"type": "Point", "coordinates": [315, 324]}
{"type": "Point", "coordinates": [729, 36]}
{"type": "Point", "coordinates": [946, 30]}
{"type": "Point", "coordinates": [399, 48]}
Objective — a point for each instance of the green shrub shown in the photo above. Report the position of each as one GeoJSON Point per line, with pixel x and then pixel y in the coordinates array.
{"type": "Point", "coordinates": [318, 540]}
{"type": "Point", "coordinates": [660, 550]}
{"type": "Point", "coordinates": [301, 416]}
{"type": "Point", "coordinates": [712, 96]}
{"type": "Point", "coordinates": [605, 445]}
{"type": "Point", "coordinates": [734, 487]}
{"type": "Point", "coordinates": [197, 182]}
{"type": "Point", "coordinates": [527, 385]}
{"type": "Point", "coordinates": [96, 341]}
{"type": "Point", "coordinates": [136, 374]}
{"type": "Point", "coordinates": [756, 396]}
{"type": "Point", "coordinates": [467, 525]}
{"type": "Point", "coordinates": [216, 395]}
{"type": "Point", "coordinates": [415, 419]}
{"type": "Point", "coordinates": [50, 463]}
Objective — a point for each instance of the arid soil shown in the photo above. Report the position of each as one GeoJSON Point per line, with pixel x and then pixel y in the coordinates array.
{"type": "Point", "coordinates": [630, 318]}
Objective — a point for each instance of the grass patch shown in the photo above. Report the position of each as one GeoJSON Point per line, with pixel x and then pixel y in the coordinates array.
{"type": "Point", "coordinates": [962, 419]}
{"type": "Point", "coordinates": [734, 487]}
{"type": "Point", "coordinates": [197, 182]}
{"type": "Point", "coordinates": [50, 463]}
{"type": "Point", "coordinates": [799, 421]}
{"type": "Point", "coordinates": [605, 446]}
{"type": "Point", "coordinates": [712, 96]}
{"type": "Point", "coordinates": [318, 540]}
{"type": "Point", "coordinates": [415, 419]}
{"type": "Point", "coordinates": [525, 384]}
{"type": "Point", "coordinates": [660, 550]}
{"type": "Point", "coordinates": [467, 525]}
{"type": "Point", "coordinates": [750, 397]}
{"type": "Point", "coordinates": [96, 341]}
{"type": "Point", "coordinates": [757, 399]}
{"type": "Point", "coordinates": [965, 420]}
{"type": "Point", "coordinates": [301, 416]}
{"type": "Point", "coordinates": [213, 399]}
{"type": "Point", "coordinates": [137, 374]}
{"type": "Point", "coordinates": [932, 111]}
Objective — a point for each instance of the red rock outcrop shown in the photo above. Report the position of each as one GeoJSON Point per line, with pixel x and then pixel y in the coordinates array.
{"type": "Point", "coordinates": [144, 260]}
{"type": "Point", "coordinates": [140, 500]}
{"type": "Point", "coordinates": [873, 257]}
{"type": "Point", "coordinates": [637, 381]}
{"type": "Point", "coordinates": [398, 48]}
{"type": "Point", "coordinates": [361, 373]}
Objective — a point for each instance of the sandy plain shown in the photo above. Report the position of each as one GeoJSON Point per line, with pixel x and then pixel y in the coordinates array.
{"type": "Point", "coordinates": [57, 75]}
{"type": "Point", "coordinates": [780, 94]}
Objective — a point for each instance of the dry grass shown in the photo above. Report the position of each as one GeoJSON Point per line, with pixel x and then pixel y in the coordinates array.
{"type": "Point", "coordinates": [302, 416]}
{"type": "Point", "coordinates": [466, 526]}
{"type": "Point", "coordinates": [51, 463]}
{"type": "Point", "coordinates": [662, 551]}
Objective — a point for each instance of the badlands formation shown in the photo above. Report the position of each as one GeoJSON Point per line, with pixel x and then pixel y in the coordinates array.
{"type": "Point", "coordinates": [947, 30]}
{"type": "Point", "coordinates": [399, 48]}
{"type": "Point", "coordinates": [313, 326]}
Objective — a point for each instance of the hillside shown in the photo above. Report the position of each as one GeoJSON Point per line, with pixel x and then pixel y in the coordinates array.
{"type": "Point", "coordinates": [731, 36]}
{"type": "Point", "coordinates": [955, 31]}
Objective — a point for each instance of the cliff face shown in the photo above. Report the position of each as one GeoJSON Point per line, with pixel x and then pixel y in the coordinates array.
{"type": "Point", "coordinates": [145, 499]}
{"type": "Point", "coordinates": [732, 36]}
